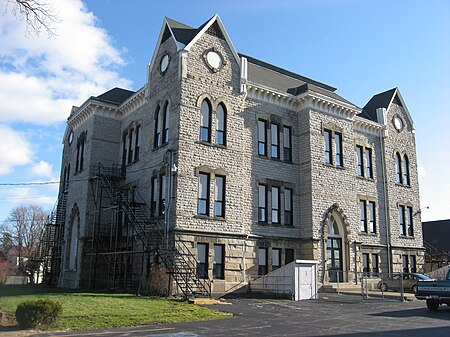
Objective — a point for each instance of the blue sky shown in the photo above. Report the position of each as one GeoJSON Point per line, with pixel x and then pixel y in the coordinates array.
{"type": "Point", "coordinates": [360, 47]}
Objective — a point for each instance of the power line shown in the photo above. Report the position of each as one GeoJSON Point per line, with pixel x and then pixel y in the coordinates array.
{"type": "Point", "coordinates": [30, 183]}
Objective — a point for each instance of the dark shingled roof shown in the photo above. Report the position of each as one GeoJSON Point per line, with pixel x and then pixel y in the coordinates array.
{"type": "Point", "coordinates": [115, 96]}
{"type": "Point", "coordinates": [381, 100]}
{"type": "Point", "coordinates": [437, 234]}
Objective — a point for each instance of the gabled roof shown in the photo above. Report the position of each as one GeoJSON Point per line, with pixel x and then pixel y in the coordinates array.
{"type": "Point", "coordinates": [185, 36]}
{"type": "Point", "coordinates": [384, 100]}
{"type": "Point", "coordinates": [115, 96]}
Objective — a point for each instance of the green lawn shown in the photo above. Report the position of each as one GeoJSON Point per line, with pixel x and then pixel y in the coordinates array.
{"type": "Point", "coordinates": [94, 310]}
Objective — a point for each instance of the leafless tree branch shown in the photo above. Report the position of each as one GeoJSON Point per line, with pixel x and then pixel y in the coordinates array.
{"type": "Point", "coordinates": [38, 15]}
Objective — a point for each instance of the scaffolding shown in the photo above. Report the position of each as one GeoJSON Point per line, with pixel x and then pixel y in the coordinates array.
{"type": "Point", "coordinates": [127, 242]}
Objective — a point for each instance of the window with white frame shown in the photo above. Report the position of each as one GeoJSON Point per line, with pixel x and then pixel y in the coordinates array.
{"type": "Point", "coordinates": [288, 215]}
{"type": "Point", "coordinates": [360, 160]}
{"type": "Point", "coordinates": [327, 134]}
{"type": "Point", "coordinates": [221, 118]}
{"type": "Point", "coordinates": [162, 194]}
{"type": "Point", "coordinates": [202, 260]}
{"type": "Point", "coordinates": [262, 138]}
{"type": "Point", "coordinates": [275, 140]}
{"type": "Point", "coordinates": [369, 168]}
{"type": "Point", "coordinates": [205, 122]}
{"type": "Point", "coordinates": [287, 143]}
{"type": "Point", "coordinates": [339, 159]}
{"type": "Point", "coordinates": [406, 220]}
{"type": "Point", "coordinates": [219, 200]}
{"type": "Point", "coordinates": [367, 210]}
{"type": "Point", "coordinates": [219, 261]}
{"type": "Point", "coordinates": [275, 205]}
{"type": "Point", "coordinates": [203, 194]}
{"type": "Point", "coordinates": [262, 261]}
{"type": "Point", "coordinates": [262, 203]}
{"type": "Point", "coordinates": [276, 258]}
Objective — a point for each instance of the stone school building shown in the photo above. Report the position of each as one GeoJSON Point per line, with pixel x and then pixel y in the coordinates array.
{"type": "Point", "coordinates": [223, 168]}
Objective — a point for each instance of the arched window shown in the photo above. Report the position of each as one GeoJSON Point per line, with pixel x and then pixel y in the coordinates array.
{"type": "Point", "coordinates": [398, 168]}
{"type": "Point", "coordinates": [157, 139]}
{"type": "Point", "coordinates": [406, 179]}
{"type": "Point", "coordinates": [205, 122]}
{"type": "Point", "coordinates": [221, 125]}
{"type": "Point", "coordinates": [165, 138]}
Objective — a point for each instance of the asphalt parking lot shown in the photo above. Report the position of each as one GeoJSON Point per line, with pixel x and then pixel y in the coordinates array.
{"type": "Point", "coordinates": [331, 315]}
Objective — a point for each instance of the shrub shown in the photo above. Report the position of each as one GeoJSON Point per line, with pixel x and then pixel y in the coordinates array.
{"type": "Point", "coordinates": [31, 314]}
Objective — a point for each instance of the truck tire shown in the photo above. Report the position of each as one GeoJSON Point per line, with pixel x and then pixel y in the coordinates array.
{"type": "Point", "coordinates": [433, 305]}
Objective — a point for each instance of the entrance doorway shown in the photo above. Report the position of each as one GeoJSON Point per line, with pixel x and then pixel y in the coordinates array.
{"type": "Point", "coordinates": [334, 259]}
{"type": "Point", "coordinates": [335, 254]}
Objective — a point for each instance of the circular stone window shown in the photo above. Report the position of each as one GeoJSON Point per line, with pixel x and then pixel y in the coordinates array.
{"type": "Point", "coordinates": [214, 60]}
{"type": "Point", "coordinates": [164, 64]}
{"type": "Point", "coordinates": [70, 138]}
{"type": "Point", "coordinates": [398, 123]}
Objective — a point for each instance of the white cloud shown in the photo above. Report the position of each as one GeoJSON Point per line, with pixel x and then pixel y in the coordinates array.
{"type": "Point", "coordinates": [27, 195]}
{"type": "Point", "coordinates": [421, 171]}
{"type": "Point", "coordinates": [15, 150]}
{"type": "Point", "coordinates": [41, 78]}
{"type": "Point", "coordinates": [42, 169]}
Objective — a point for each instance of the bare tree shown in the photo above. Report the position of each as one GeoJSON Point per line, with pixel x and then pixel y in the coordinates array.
{"type": "Point", "coordinates": [25, 226]}
{"type": "Point", "coordinates": [38, 15]}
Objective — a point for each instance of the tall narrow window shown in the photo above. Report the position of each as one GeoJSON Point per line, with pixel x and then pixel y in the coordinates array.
{"type": "Point", "coordinates": [219, 200]}
{"type": "Point", "coordinates": [154, 202]}
{"type": "Point", "coordinates": [401, 215]}
{"type": "Point", "coordinates": [275, 205]}
{"type": "Point", "coordinates": [124, 150]}
{"type": "Point", "coordinates": [165, 124]}
{"type": "Point", "coordinates": [288, 207]}
{"type": "Point", "coordinates": [262, 138]}
{"type": "Point", "coordinates": [275, 140]}
{"type": "Point", "coordinates": [359, 155]}
{"type": "Point", "coordinates": [287, 143]}
{"type": "Point", "coordinates": [202, 260]}
{"type": "Point", "coordinates": [412, 263]}
{"type": "Point", "coordinates": [363, 215]}
{"type": "Point", "coordinates": [405, 263]}
{"type": "Point", "coordinates": [262, 261]}
{"type": "Point", "coordinates": [398, 168]}
{"type": "Point", "coordinates": [130, 146]}
{"type": "Point", "coordinates": [205, 122]}
{"type": "Point", "coordinates": [219, 262]}
{"type": "Point", "coordinates": [262, 203]}
{"type": "Point", "coordinates": [162, 194]}
{"type": "Point", "coordinates": [203, 194]}
{"type": "Point", "coordinates": [276, 258]}
{"type": "Point", "coordinates": [375, 268]}
{"type": "Point", "coordinates": [328, 146]}
{"type": "Point", "coordinates": [365, 261]}
{"type": "Point", "coordinates": [372, 218]}
{"type": "Point", "coordinates": [288, 255]}
{"type": "Point", "coordinates": [136, 144]}
{"type": "Point", "coordinates": [221, 125]}
{"type": "Point", "coordinates": [409, 221]}
{"type": "Point", "coordinates": [369, 169]}
{"type": "Point", "coordinates": [157, 139]}
{"type": "Point", "coordinates": [338, 144]}
{"type": "Point", "coordinates": [80, 154]}
{"type": "Point", "coordinates": [406, 180]}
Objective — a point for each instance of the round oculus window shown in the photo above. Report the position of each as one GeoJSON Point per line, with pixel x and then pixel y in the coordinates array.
{"type": "Point", "coordinates": [213, 59]}
{"type": "Point", "coordinates": [398, 123]}
{"type": "Point", "coordinates": [70, 138]}
{"type": "Point", "coordinates": [164, 64]}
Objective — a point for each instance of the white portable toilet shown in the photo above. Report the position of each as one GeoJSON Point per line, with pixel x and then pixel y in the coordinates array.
{"type": "Point", "coordinates": [305, 280]}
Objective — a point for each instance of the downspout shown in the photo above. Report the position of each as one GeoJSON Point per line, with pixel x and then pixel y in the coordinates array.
{"type": "Point", "coordinates": [382, 119]}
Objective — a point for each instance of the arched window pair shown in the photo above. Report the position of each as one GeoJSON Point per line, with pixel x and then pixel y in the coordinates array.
{"type": "Point", "coordinates": [161, 125]}
{"type": "Point", "coordinates": [206, 123]}
{"type": "Point", "coordinates": [402, 169]}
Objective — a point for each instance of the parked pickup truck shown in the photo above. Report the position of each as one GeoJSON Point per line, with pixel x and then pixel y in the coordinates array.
{"type": "Point", "coordinates": [434, 292]}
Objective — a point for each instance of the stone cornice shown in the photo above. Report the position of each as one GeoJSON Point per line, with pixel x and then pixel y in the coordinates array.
{"type": "Point", "coordinates": [100, 108]}
{"type": "Point", "coordinates": [133, 103]}
{"type": "Point", "coordinates": [367, 126]}
{"type": "Point", "coordinates": [309, 99]}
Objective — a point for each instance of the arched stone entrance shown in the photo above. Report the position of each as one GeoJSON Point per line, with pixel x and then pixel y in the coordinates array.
{"type": "Point", "coordinates": [336, 250]}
